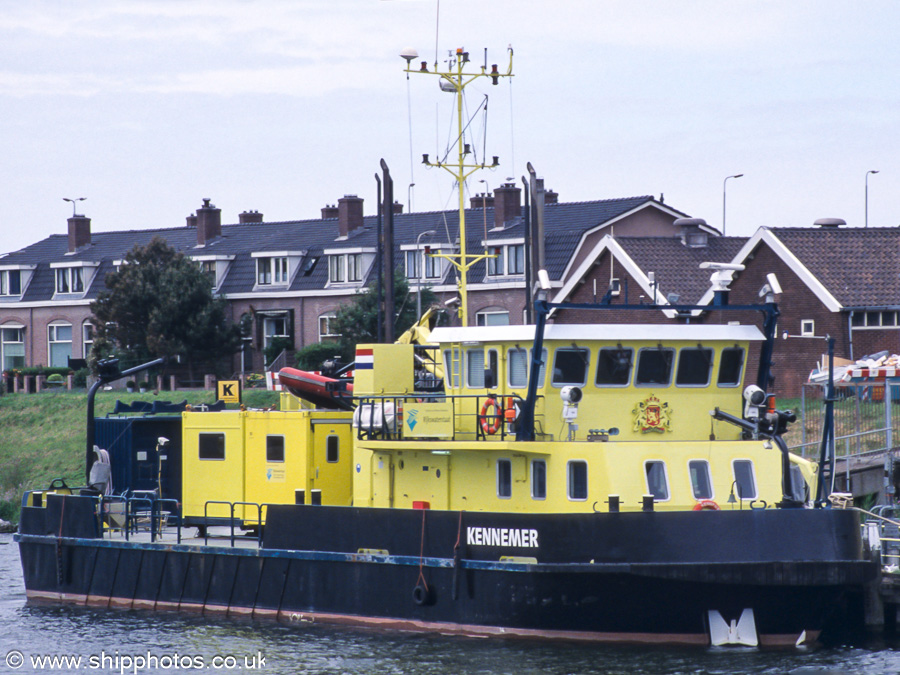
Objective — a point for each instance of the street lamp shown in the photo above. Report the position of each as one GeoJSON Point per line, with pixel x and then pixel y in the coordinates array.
{"type": "Point", "coordinates": [724, 183]}
{"type": "Point", "coordinates": [867, 195]}
{"type": "Point", "coordinates": [81, 199]}
{"type": "Point", "coordinates": [419, 261]}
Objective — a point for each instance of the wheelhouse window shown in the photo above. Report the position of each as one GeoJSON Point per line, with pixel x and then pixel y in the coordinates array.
{"type": "Point", "coordinates": [274, 448]}
{"type": "Point", "coordinates": [59, 338]}
{"type": "Point", "coordinates": [731, 366]}
{"type": "Point", "coordinates": [744, 479]}
{"type": "Point", "coordinates": [614, 367]}
{"type": "Point", "coordinates": [332, 449]}
{"type": "Point", "coordinates": [70, 280]}
{"type": "Point", "coordinates": [655, 366]}
{"type": "Point", "coordinates": [519, 365]}
{"type": "Point", "coordinates": [475, 368]}
{"type": "Point", "coordinates": [504, 478]}
{"type": "Point", "coordinates": [538, 479]}
{"type": "Point", "coordinates": [10, 282]}
{"type": "Point", "coordinates": [577, 480]}
{"type": "Point", "coordinates": [694, 367]}
{"type": "Point", "coordinates": [451, 367]}
{"type": "Point", "coordinates": [570, 366]}
{"type": "Point", "coordinates": [211, 446]}
{"type": "Point", "coordinates": [657, 480]}
{"type": "Point", "coordinates": [701, 483]}
{"type": "Point", "coordinates": [12, 347]}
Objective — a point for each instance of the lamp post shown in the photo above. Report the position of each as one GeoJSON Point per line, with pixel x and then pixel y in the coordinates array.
{"type": "Point", "coordinates": [421, 273]}
{"type": "Point", "coordinates": [81, 199]}
{"type": "Point", "coordinates": [867, 195]}
{"type": "Point", "coordinates": [724, 184]}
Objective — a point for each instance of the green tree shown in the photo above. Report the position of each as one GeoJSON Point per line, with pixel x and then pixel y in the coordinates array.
{"type": "Point", "coordinates": [357, 321]}
{"type": "Point", "coordinates": [159, 303]}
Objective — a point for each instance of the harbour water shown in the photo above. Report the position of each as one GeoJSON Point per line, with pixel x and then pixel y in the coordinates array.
{"type": "Point", "coordinates": [121, 641]}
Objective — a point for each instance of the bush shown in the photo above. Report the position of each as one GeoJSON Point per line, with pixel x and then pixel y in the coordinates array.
{"type": "Point", "coordinates": [55, 378]}
{"type": "Point", "coordinates": [80, 379]}
{"type": "Point", "coordinates": [312, 356]}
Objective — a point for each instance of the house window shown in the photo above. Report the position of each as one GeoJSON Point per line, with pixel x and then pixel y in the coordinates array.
{"type": "Point", "coordinates": [615, 287]}
{"type": "Point", "coordinates": [655, 367]}
{"type": "Point", "coordinates": [270, 270]}
{"type": "Point", "coordinates": [70, 280]}
{"type": "Point", "coordinates": [274, 327]}
{"type": "Point", "coordinates": [614, 367]}
{"type": "Point", "coordinates": [10, 282]}
{"type": "Point", "coordinates": [577, 480]}
{"type": "Point", "coordinates": [731, 365]}
{"type": "Point", "coordinates": [332, 449]}
{"type": "Point", "coordinates": [744, 481]}
{"type": "Point", "coordinates": [694, 367]}
{"type": "Point", "coordinates": [59, 338]}
{"type": "Point", "coordinates": [208, 267]}
{"type": "Point", "coordinates": [515, 259]}
{"type": "Point", "coordinates": [657, 481]}
{"type": "Point", "coordinates": [274, 448]}
{"type": "Point", "coordinates": [326, 332]}
{"type": "Point", "coordinates": [211, 446]}
{"type": "Point", "coordinates": [808, 327]}
{"type": "Point", "coordinates": [885, 319]}
{"type": "Point", "coordinates": [412, 264]}
{"type": "Point", "coordinates": [570, 366]}
{"type": "Point", "coordinates": [495, 265]}
{"type": "Point", "coordinates": [701, 483]}
{"type": "Point", "coordinates": [492, 318]}
{"type": "Point", "coordinates": [433, 267]}
{"type": "Point", "coordinates": [538, 479]}
{"type": "Point", "coordinates": [12, 347]}
{"type": "Point", "coordinates": [354, 267]}
{"type": "Point", "coordinates": [504, 478]}
{"type": "Point", "coordinates": [336, 268]}
{"type": "Point", "coordinates": [87, 338]}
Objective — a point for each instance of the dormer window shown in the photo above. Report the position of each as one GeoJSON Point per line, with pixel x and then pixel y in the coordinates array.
{"type": "Point", "coordinates": [349, 266]}
{"type": "Point", "coordinates": [70, 280]}
{"type": "Point", "coordinates": [10, 282]}
{"type": "Point", "coordinates": [272, 271]}
{"type": "Point", "coordinates": [507, 259]}
{"type": "Point", "coordinates": [515, 259]}
{"type": "Point", "coordinates": [495, 266]}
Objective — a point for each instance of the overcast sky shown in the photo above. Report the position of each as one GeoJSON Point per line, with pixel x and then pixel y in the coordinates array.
{"type": "Point", "coordinates": [147, 107]}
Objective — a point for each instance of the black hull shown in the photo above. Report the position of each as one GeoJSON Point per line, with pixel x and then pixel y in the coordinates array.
{"type": "Point", "coordinates": [590, 583]}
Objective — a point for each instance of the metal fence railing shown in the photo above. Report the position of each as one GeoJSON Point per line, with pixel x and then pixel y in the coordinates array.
{"type": "Point", "coordinates": [864, 421]}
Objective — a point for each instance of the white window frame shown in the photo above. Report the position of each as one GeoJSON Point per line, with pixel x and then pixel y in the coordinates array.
{"type": "Point", "coordinates": [413, 266]}
{"type": "Point", "coordinates": [327, 317]}
{"type": "Point", "coordinates": [6, 286]}
{"type": "Point", "coordinates": [53, 339]}
{"type": "Point", "coordinates": [87, 338]}
{"type": "Point", "coordinates": [512, 256]}
{"type": "Point", "coordinates": [5, 345]}
{"type": "Point", "coordinates": [481, 318]}
{"type": "Point", "coordinates": [807, 327]}
{"type": "Point", "coordinates": [69, 280]}
{"type": "Point", "coordinates": [496, 265]}
{"type": "Point", "coordinates": [270, 320]}
{"type": "Point", "coordinates": [354, 267]}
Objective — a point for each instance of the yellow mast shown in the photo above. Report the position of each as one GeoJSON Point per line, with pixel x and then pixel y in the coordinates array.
{"type": "Point", "coordinates": [454, 79]}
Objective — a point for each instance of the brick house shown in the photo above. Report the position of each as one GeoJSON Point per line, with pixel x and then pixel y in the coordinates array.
{"type": "Point", "coordinates": [287, 279]}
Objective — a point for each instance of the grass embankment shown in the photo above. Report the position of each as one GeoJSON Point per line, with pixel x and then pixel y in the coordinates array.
{"type": "Point", "coordinates": [42, 436]}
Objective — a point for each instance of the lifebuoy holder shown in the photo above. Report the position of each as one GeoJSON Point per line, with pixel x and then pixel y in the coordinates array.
{"type": "Point", "coordinates": [707, 505]}
{"type": "Point", "coordinates": [490, 421]}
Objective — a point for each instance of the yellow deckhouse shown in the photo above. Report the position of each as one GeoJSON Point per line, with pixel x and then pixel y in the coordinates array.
{"type": "Point", "coordinates": [623, 416]}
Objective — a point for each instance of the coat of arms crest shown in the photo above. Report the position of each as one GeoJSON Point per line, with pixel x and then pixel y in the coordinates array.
{"type": "Point", "coordinates": [651, 415]}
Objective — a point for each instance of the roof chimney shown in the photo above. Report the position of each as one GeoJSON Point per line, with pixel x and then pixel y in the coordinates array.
{"type": "Point", "coordinates": [329, 211]}
{"type": "Point", "coordinates": [482, 201]}
{"type": "Point", "coordinates": [209, 223]}
{"type": "Point", "coordinates": [250, 217]}
{"type": "Point", "coordinates": [79, 232]}
{"type": "Point", "coordinates": [551, 197]}
{"type": "Point", "coordinates": [507, 204]}
{"type": "Point", "coordinates": [350, 215]}
{"type": "Point", "coordinates": [398, 207]}
{"type": "Point", "coordinates": [191, 220]}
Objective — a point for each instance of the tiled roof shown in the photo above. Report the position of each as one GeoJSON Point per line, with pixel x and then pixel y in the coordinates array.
{"type": "Point", "coordinates": [677, 267]}
{"type": "Point", "coordinates": [860, 267]}
{"type": "Point", "coordinates": [565, 224]}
